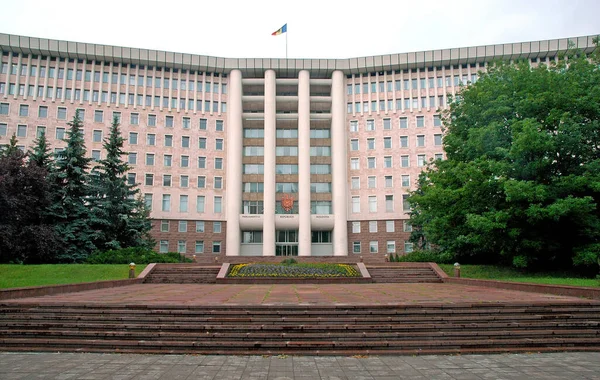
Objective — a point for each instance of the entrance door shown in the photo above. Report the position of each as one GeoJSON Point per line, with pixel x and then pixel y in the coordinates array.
{"type": "Point", "coordinates": [286, 243]}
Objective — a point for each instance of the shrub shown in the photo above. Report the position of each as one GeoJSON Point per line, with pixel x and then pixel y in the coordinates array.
{"type": "Point", "coordinates": [289, 261]}
{"type": "Point", "coordinates": [427, 256]}
{"type": "Point", "coordinates": [136, 255]}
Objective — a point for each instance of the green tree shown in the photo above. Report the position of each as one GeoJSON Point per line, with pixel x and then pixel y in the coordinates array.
{"type": "Point", "coordinates": [25, 234]}
{"type": "Point", "coordinates": [521, 183]}
{"type": "Point", "coordinates": [121, 218]}
{"type": "Point", "coordinates": [11, 148]}
{"type": "Point", "coordinates": [70, 208]}
{"type": "Point", "coordinates": [40, 154]}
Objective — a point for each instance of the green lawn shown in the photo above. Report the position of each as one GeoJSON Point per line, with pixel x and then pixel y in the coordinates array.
{"type": "Point", "coordinates": [17, 276]}
{"type": "Point", "coordinates": [491, 272]}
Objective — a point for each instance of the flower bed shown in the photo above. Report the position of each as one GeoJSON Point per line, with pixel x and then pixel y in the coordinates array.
{"type": "Point", "coordinates": [293, 271]}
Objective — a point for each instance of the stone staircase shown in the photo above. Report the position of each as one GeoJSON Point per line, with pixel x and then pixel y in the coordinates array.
{"type": "Point", "coordinates": [302, 329]}
{"type": "Point", "coordinates": [182, 274]}
{"type": "Point", "coordinates": [402, 274]}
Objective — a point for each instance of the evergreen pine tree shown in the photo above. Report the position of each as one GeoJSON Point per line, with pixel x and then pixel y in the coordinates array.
{"type": "Point", "coordinates": [120, 216]}
{"type": "Point", "coordinates": [40, 154]}
{"type": "Point", "coordinates": [11, 148]}
{"type": "Point", "coordinates": [70, 208]}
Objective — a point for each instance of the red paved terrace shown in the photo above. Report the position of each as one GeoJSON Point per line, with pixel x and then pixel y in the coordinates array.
{"type": "Point", "coordinates": [298, 294]}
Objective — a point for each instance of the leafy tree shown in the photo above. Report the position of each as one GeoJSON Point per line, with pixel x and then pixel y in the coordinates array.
{"type": "Point", "coordinates": [521, 183]}
{"type": "Point", "coordinates": [121, 218]}
{"type": "Point", "coordinates": [70, 208]}
{"type": "Point", "coordinates": [25, 235]}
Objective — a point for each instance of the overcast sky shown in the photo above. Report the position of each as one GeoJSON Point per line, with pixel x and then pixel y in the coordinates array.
{"type": "Point", "coordinates": [316, 28]}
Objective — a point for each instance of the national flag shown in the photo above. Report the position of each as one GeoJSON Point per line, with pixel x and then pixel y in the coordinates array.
{"type": "Point", "coordinates": [279, 31]}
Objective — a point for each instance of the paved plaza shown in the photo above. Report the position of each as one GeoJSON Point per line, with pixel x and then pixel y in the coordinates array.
{"type": "Point", "coordinates": [301, 294]}
{"type": "Point", "coordinates": [570, 365]}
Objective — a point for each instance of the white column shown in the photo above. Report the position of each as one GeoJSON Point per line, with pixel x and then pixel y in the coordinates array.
{"type": "Point", "coordinates": [304, 230]}
{"type": "Point", "coordinates": [234, 164]}
{"type": "Point", "coordinates": [339, 165]}
{"type": "Point", "coordinates": [269, 165]}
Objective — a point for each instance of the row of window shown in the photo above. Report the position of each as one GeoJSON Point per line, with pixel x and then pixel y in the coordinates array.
{"type": "Point", "coordinates": [168, 180]}
{"type": "Point", "coordinates": [403, 123]}
{"type": "Point", "coordinates": [372, 181]}
{"type": "Point", "coordinates": [390, 246]}
{"type": "Point", "coordinates": [286, 151]}
{"type": "Point", "coordinates": [373, 203]}
{"type": "Point", "coordinates": [404, 142]}
{"type": "Point", "coordinates": [182, 226]}
{"type": "Point", "coordinates": [316, 207]}
{"type": "Point", "coordinates": [134, 117]}
{"type": "Point", "coordinates": [390, 226]}
{"type": "Point", "coordinates": [163, 246]}
{"type": "Point", "coordinates": [388, 161]}
{"type": "Point", "coordinates": [256, 133]}
{"type": "Point", "coordinates": [421, 83]}
{"type": "Point", "coordinates": [285, 169]}
{"type": "Point", "coordinates": [406, 104]}
{"type": "Point", "coordinates": [256, 237]}
{"type": "Point", "coordinates": [184, 203]}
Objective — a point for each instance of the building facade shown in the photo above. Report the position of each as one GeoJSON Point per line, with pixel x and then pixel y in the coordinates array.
{"type": "Point", "coordinates": [255, 157]}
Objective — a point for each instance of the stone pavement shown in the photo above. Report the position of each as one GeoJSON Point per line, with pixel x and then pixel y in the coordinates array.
{"type": "Point", "coordinates": [299, 294]}
{"type": "Point", "coordinates": [570, 365]}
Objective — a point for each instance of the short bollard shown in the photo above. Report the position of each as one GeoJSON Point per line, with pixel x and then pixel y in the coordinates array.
{"type": "Point", "coordinates": [457, 270]}
{"type": "Point", "coordinates": [194, 258]}
{"type": "Point", "coordinates": [361, 259]}
{"type": "Point", "coordinates": [132, 270]}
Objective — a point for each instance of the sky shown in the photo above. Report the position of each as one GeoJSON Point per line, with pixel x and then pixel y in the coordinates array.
{"type": "Point", "coordinates": [316, 29]}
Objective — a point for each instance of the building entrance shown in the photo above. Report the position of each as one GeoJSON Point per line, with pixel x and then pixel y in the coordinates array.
{"type": "Point", "coordinates": [286, 243]}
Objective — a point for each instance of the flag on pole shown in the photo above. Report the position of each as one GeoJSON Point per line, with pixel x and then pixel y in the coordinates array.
{"type": "Point", "coordinates": [281, 30]}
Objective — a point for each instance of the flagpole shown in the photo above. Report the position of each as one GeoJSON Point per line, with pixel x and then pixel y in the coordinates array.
{"type": "Point", "coordinates": [286, 44]}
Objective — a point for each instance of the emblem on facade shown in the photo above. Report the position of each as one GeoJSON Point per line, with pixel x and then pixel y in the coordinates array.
{"type": "Point", "coordinates": [287, 202]}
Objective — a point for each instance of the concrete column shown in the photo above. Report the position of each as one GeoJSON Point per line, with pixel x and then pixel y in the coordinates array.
{"type": "Point", "coordinates": [269, 165]}
{"type": "Point", "coordinates": [234, 164]}
{"type": "Point", "coordinates": [304, 230]}
{"type": "Point", "coordinates": [339, 165]}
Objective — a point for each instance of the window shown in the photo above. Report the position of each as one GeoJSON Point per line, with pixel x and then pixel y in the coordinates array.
{"type": "Point", "coordinates": [355, 204]}
{"type": "Point", "coordinates": [355, 227]}
{"type": "Point", "coordinates": [391, 246]}
{"type": "Point", "coordinates": [23, 110]}
{"type": "Point", "coordinates": [200, 203]}
{"type": "Point", "coordinates": [387, 161]}
{"type": "Point", "coordinates": [420, 140]}
{"type": "Point", "coordinates": [21, 131]}
{"type": "Point", "coordinates": [169, 121]}
{"type": "Point", "coordinates": [132, 158]}
{"type": "Point", "coordinates": [405, 203]}
{"type": "Point", "coordinates": [439, 156]}
{"type": "Point", "coordinates": [437, 121]}
{"type": "Point", "coordinates": [149, 180]}
{"type": "Point", "coordinates": [168, 160]}
{"type": "Point", "coordinates": [403, 141]}
{"type": "Point", "coordinates": [370, 143]}
{"type": "Point", "coordinates": [186, 123]}
{"type": "Point", "coordinates": [389, 181]}
{"type": "Point", "coordinates": [390, 226]}
{"type": "Point", "coordinates": [372, 203]}
{"type": "Point", "coordinates": [389, 203]}
{"type": "Point", "coordinates": [41, 130]}
{"type": "Point", "coordinates": [421, 160]}
{"type": "Point", "coordinates": [218, 182]}
{"type": "Point", "coordinates": [372, 226]}
{"type": "Point", "coordinates": [353, 126]}
{"type": "Point", "coordinates": [166, 202]}
{"type": "Point", "coordinates": [373, 247]}
{"type": "Point", "coordinates": [437, 139]}
{"type": "Point", "coordinates": [3, 129]}
{"type": "Point", "coordinates": [217, 227]}
{"type": "Point", "coordinates": [164, 246]}
{"type": "Point", "coordinates": [405, 180]}
{"type": "Point", "coordinates": [370, 125]}
{"type": "Point", "coordinates": [185, 141]}
{"type": "Point", "coordinates": [356, 247]}
{"type": "Point", "coordinates": [354, 144]}
{"type": "Point", "coordinates": [387, 124]}
{"type": "Point", "coordinates": [181, 246]}
{"type": "Point", "coordinates": [99, 116]}
{"type": "Point", "coordinates": [117, 117]}
{"type": "Point", "coordinates": [404, 161]}
{"type": "Point", "coordinates": [355, 183]}
{"type": "Point", "coordinates": [96, 155]}
{"type": "Point", "coordinates": [150, 139]}
{"type": "Point", "coordinates": [219, 125]}
{"type": "Point", "coordinates": [183, 205]}
{"type": "Point", "coordinates": [199, 246]}
{"type": "Point", "coordinates": [203, 123]}
{"type": "Point", "coordinates": [372, 182]}
{"type": "Point", "coordinates": [150, 159]}
{"type": "Point", "coordinates": [219, 144]}
{"type": "Point", "coordinates": [218, 163]}
{"type": "Point", "coordinates": [420, 121]}
{"type": "Point", "coordinates": [408, 246]}
{"type": "Point", "coordinates": [387, 142]}
{"type": "Point", "coordinates": [407, 227]}
{"type": "Point", "coordinates": [42, 111]}
{"type": "Point", "coordinates": [134, 119]}
{"type": "Point", "coordinates": [202, 163]}
{"type": "Point", "coordinates": [133, 138]}
{"type": "Point", "coordinates": [184, 161]}
{"type": "Point", "coordinates": [166, 180]}
{"type": "Point", "coordinates": [216, 247]}
{"type": "Point", "coordinates": [164, 226]}
{"type": "Point", "coordinates": [184, 181]}
{"type": "Point", "coordinates": [201, 182]}
{"type": "Point", "coordinates": [250, 237]}
{"type": "Point", "coordinates": [168, 140]}
{"type": "Point", "coordinates": [200, 226]}
{"type": "Point", "coordinates": [60, 133]}
{"type": "Point", "coordinates": [97, 135]}
{"type": "Point", "coordinates": [152, 120]}
{"type": "Point", "coordinates": [217, 205]}
{"type": "Point", "coordinates": [371, 162]}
